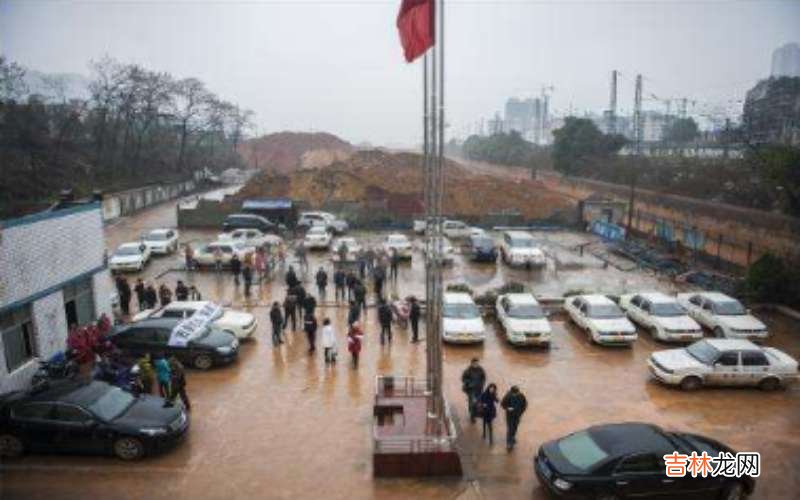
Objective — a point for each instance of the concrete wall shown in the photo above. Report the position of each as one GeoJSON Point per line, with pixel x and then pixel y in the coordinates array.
{"type": "Point", "coordinates": [127, 202]}
{"type": "Point", "coordinates": [727, 233]}
{"type": "Point", "coordinates": [39, 256]}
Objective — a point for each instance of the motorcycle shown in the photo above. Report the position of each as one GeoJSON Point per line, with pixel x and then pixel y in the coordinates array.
{"type": "Point", "coordinates": [59, 366]}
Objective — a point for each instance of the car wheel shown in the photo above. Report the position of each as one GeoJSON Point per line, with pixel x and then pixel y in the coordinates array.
{"type": "Point", "coordinates": [769, 384]}
{"type": "Point", "coordinates": [733, 491]}
{"type": "Point", "coordinates": [10, 446]}
{"type": "Point", "coordinates": [719, 333]}
{"type": "Point", "coordinates": [691, 383]}
{"type": "Point", "coordinates": [128, 448]}
{"type": "Point", "coordinates": [203, 362]}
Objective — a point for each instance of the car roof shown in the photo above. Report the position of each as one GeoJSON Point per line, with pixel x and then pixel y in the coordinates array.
{"type": "Point", "coordinates": [596, 299]}
{"type": "Point", "coordinates": [159, 231]}
{"type": "Point", "coordinates": [458, 298]}
{"type": "Point", "coordinates": [396, 235]}
{"type": "Point", "coordinates": [519, 234]}
{"type": "Point", "coordinates": [623, 439]}
{"type": "Point", "coordinates": [519, 299]}
{"type": "Point", "coordinates": [76, 391]}
{"type": "Point", "coordinates": [245, 215]}
{"type": "Point", "coordinates": [733, 344]}
{"type": "Point", "coordinates": [715, 296]}
{"type": "Point", "coordinates": [657, 297]}
{"type": "Point", "coordinates": [185, 304]}
{"type": "Point", "coordinates": [131, 244]}
{"type": "Point", "coordinates": [152, 322]}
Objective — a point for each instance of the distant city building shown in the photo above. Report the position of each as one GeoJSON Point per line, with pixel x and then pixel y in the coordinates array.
{"type": "Point", "coordinates": [772, 111]}
{"type": "Point", "coordinates": [495, 124]}
{"type": "Point", "coordinates": [786, 60]}
{"type": "Point", "coordinates": [519, 114]}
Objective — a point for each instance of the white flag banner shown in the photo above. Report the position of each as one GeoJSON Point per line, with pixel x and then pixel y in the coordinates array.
{"type": "Point", "coordinates": [188, 329]}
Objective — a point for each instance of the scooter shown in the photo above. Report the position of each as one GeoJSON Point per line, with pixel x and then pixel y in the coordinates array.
{"type": "Point", "coordinates": [59, 366]}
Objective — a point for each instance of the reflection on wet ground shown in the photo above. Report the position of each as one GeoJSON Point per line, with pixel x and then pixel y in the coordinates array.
{"type": "Point", "coordinates": [281, 424]}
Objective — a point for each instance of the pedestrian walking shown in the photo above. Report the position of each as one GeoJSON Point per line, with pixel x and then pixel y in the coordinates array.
{"type": "Point", "coordinates": [236, 268]}
{"type": "Point", "coordinates": [354, 338]}
{"type": "Point", "coordinates": [194, 294]}
{"type": "Point", "coordinates": [300, 294]}
{"type": "Point", "coordinates": [291, 278]}
{"type": "Point", "coordinates": [247, 275]}
{"type": "Point", "coordinates": [217, 258]}
{"type": "Point", "coordinates": [178, 383]}
{"type": "Point", "coordinates": [370, 258]}
{"type": "Point", "coordinates": [385, 319]}
{"type": "Point", "coordinates": [276, 318]}
{"type": "Point", "coordinates": [488, 410]}
{"type": "Point", "coordinates": [339, 282]}
{"type": "Point", "coordinates": [379, 276]}
{"type": "Point", "coordinates": [361, 259]}
{"type": "Point", "coordinates": [360, 294]}
{"type": "Point", "coordinates": [302, 257]}
{"type": "Point", "coordinates": [414, 315]}
{"type": "Point", "coordinates": [147, 373]}
{"type": "Point", "coordinates": [350, 281]}
{"type": "Point", "coordinates": [150, 296]}
{"type": "Point", "coordinates": [515, 404]}
{"type": "Point", "coordinates": [309, 304]}
{"type": "Point", "coordinates": [124, 293]}
{"type": "Point", "coordinates": [310, 327]}
{"type": "Point", "coordinates": [322, 282]}
{"type": "Point", "coordinates": [181, 291]}
{"type": "Point", "coordinates": [163, 374]}
{"type": "Point", "coordinates": [329, 341]}
{"type": "Point", "coordinates": [139, 290]}
{"type": "Point", "coordinates": [164, 294]}
{"type": "Point", "coordinates": [395, 262]}
{"type": "Point", "coordinates": [472, 382]}
{"type": "Point", "coordinates": [290, 311]}
{"type": "Point", "coordinates": [188, 256]}
{"type": "Point", "coordinates": [353, 313]}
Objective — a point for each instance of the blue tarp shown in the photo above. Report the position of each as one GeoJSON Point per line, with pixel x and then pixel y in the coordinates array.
{"type": "Point", "coordinates": [608, 230]}
{"type": "Point", "coordinates": [267, 204]}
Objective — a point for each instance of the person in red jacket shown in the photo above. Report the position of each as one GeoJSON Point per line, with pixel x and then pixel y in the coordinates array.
{"type": "Point", "coordinates": [354, 337]}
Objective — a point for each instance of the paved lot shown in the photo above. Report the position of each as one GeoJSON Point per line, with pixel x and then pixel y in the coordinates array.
{"type": "Point", "coordinates": [280, 424]}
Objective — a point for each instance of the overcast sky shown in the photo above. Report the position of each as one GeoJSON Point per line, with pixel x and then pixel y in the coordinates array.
{"type": "Point", "coordinates": [337, 65]}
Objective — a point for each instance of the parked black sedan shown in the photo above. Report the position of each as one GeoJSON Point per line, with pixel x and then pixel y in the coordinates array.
{"type": "Point", "coordinates": [620, 461]}
{"type": "Point", "coordinates": [482, 248]}
{"type": "Point", "coordinates": [205, 347]}
{"type": "Point", "coordinates": [88, 417]}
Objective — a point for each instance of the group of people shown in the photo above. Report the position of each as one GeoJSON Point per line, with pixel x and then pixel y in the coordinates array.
{"type": "Point", "coordinates": [482, 403]}
{"type": "Point", "coordinates": [168, 374]}
{"type": "Point", "coordinates": [148, 296]}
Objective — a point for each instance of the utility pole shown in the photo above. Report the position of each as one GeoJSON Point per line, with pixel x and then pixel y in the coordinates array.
{"type": "Point", "coordinates": [612, 105]}
{"type": "Point", "coordinates": [637, 116]}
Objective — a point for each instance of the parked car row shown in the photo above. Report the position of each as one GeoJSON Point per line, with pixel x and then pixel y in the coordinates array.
{"type": "Point", "coordinates": [134, 256]}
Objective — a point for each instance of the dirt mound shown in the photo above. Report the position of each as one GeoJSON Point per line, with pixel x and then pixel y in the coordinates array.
{"type": "Point", "coordinates": [394, 181]}
{"type": "Point", "coordinates": [284, 152]}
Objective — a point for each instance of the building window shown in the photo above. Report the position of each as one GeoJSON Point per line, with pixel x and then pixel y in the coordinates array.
{"type": "Point", "coordinates": [79, 303]}
{"type": "Point", "coordinates": [17, 332]}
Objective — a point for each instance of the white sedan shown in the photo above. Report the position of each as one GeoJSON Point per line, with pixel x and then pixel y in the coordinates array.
{"type": "Point", "coordinates": [461, 320]}
{"type": "Point", "coordinates": [317, 238]}
{"type": "Point", "coordinates": [723, 362]}
{"type": "Point", "coordinates": [448, 252]}
{"type": "Point", "coordinates": [662, 316]}
{"type": "Point", "coordinates": [161, 241]}
{"type": "Point", "coordinates": [241, 324]}
{"type": "Point", "coordinates": [351, 245]}
{"type": "Point", "coordinates": [398, 242]}
{"type": "Point", "coordinates": [723, 315]}
{"type": "Point", "coordinates": [601, 318]}
{"type": "Point", "coordinates": [251, 237]}
{"type": "Point", "coordinates": [130, 257]}
{"type": "Point", "coordinates": [523, 319]}
{"type": "Point", "coordinates": [205, 256]}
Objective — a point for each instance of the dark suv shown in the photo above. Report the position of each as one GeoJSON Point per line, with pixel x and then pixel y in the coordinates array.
{"type": "Point", "coordinates": [250, 221]}
{"type": "Point", "coordinates": [88, 417]}
{"type": "Point", "coordinates": [206, 347]}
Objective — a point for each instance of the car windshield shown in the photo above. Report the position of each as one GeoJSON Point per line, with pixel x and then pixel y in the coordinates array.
{"type": "Point", "coordinates": [703, 352]}
{"type": "Point", "coordinates": [317, 230]}
{"type": "Point", "coordinates": [668, 309]}
{"type": "Point", "coordinates": [729, 308]}
{"type": "Point", "coordinates": [461, 311]}
{"type": "Point", "coordinates": [397, 240]}
{"type": "Point", "coordinates": [111, 404]}
{"type": "Point", "coordinates": [156, 236]}
{"type": "Point", "coordinates": [483, 242]}
{"type": "Point", "coordinates": [128, 251]}
{"type": "Point", "coordinates": [581, 450]}
{"type": "Point", "coordinates": [526, 311]}
{"type": "Point", "coordinates": [605, 311]}
{"type": "Point", "coordinates": [522, 242]}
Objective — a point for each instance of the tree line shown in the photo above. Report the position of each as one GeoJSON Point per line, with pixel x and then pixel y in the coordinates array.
{"type": "Point", "coordinates": [136, 126]}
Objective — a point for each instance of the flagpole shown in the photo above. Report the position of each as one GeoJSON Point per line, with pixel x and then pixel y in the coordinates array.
{"type": "Point", "coordinates": [440, 207]}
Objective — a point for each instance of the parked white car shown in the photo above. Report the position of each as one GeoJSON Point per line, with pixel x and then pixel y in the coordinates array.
{"type": "Point", "coordinates": [601, 318]}
{"type": "Point", "coordinates": [448, 252]}
{"type": "Point", "coordinates": [352, 245]}
{"type": "Point", "coordinates": [161, 241]}
{"type": "Point", "coordinates": [662, 316]}
{"type": "Point", "coordinates": [204, 256]}
{"type": "Point", "coordinates": [476, 231]}
{"type": "Point", "coordinates": [519, 248]}
{"type": "Point", "coordinates": [253, 238]}
{"type": "Point", "coordinates": [723, 315]}
{"type": "Point", "coordinates": [317, 238]}
{"type": "Point", "coordinates": [461, 320]}
{"type": "Point", "coordinates": [420, 226]}
{"type": "Point", "coordinates": [399, 242]}
{"type": "Point", "coordinates": [239, 323]}
{"type": "Point", "coordinates": [455, 229]}
{"type": "Point", "coordinates": [325, 219]}
{"type": "Point", "coordinates": [724, 362]}
{"type": "Point", "coordinates": [523, 320]}
{"type": "Point", "coordinates": [129, 257]}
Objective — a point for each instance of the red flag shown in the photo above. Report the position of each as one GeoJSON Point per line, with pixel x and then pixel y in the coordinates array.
{"type": "Point", "coordinates": [415, 24]}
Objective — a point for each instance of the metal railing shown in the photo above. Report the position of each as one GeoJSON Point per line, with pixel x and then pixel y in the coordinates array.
{"type": "Point", "coordinates": [400, 387]}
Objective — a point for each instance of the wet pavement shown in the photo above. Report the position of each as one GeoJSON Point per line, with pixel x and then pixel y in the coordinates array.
{"type": "Point", "coordinates": [281, 424]}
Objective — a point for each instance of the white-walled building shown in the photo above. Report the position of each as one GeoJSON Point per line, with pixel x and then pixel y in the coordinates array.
{"type": "Point", "coordinates": [53, 273]}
